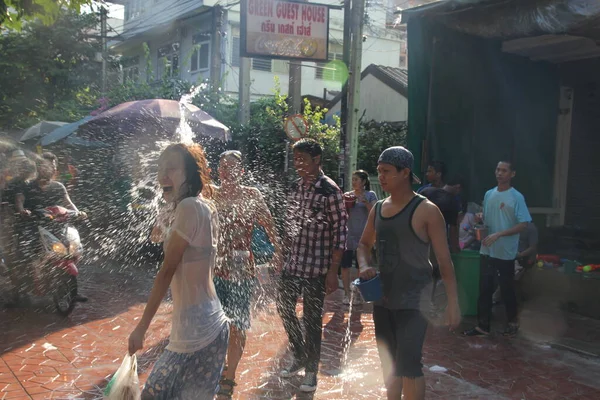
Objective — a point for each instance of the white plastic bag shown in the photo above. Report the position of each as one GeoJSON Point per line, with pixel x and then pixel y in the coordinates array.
{"type": "Point", "coordinates": [125, 384]}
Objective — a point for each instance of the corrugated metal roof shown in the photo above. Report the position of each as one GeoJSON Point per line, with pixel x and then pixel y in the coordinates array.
{"type": "Point", "coordinates": [398, 75]}
{"type": "Point", "coordinates": [396, 78]}
{"type": "Point", "coordinates": [439, 6]}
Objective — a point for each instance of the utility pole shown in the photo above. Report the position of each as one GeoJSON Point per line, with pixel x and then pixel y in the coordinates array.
{"type": "Point", "coordinates": [103, 34]}
{"type": "Point", "coordinates": [244, 99]}
{"type": "Point", "coordinates": [358, 12]}
{"type": "Point", "coordinates": [344, 105]}
{"type": "Point", "coordinates": [295, 87]}
{"type": "Point", "coordinates": [216, 59]}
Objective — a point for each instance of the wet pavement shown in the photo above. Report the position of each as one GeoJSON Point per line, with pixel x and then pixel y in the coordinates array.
{"type": "Point", "coordinates": [44, 356]}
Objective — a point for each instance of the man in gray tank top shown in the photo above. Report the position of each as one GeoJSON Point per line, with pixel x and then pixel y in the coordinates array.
{"type": "Point", "coordinates": [403, 226]}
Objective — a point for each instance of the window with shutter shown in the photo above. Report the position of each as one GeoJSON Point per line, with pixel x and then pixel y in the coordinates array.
{"type": "Point", "coordinates": [259, 64]}
{"type": "Point", "coordinates": [235, 52]}
{"type": "Point", "coordinates": [235, 45]}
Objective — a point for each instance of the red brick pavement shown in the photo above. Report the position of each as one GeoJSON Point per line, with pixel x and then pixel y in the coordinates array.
{"type": "Point", "coordinates": [43, 356]}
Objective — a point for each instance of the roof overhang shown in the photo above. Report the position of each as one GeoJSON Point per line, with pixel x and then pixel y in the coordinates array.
{"type": "Point", "coordinates": [543, 30]}
{"type": "Point", "coordinates": [553, 48]}
{"type": "Point", "coordinates": [156, 23]}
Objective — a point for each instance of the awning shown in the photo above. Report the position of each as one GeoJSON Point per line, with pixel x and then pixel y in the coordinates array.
{"type": "Point", "coordinates": [542, 30]}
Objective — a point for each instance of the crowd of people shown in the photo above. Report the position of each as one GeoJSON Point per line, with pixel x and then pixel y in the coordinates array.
{"type": "Point", "coordinates": [207, 234]}
{"type": "Point", "coordinates": [509, 247]}
{"type": "Point", "coordinates": [406, 239]}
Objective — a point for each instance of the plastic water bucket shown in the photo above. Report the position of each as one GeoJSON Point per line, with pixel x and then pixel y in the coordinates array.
{"type": "Point", "coordinates": [467, 266]}
{"type": "Point", "coordinates": [371, 289]}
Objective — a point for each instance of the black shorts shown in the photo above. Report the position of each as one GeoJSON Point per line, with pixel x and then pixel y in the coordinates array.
{"type": "Point", "coordinates": [400, 335]}
{"type": "Point", "coordinates": [348, 258]}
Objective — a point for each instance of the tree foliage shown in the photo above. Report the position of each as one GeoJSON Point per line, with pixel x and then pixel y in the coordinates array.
{"type": "Point", "coordinates": [374, 137]}
{"type": "Point", "coordinates": [14, 12]}
{"type": "Point", "coordinates": [48, 72]}
{"type": "Point", "coordinates": [263, 139]}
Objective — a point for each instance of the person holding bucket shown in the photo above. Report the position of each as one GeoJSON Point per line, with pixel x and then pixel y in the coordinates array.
{"type": "Point", "coordinates": [404, 226]}
{"type": "Point", "coordinates": [359, 203]}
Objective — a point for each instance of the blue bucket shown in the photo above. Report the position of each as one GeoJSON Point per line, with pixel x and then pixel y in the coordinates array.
{"type": "Point", "coordinates": [371, 289]}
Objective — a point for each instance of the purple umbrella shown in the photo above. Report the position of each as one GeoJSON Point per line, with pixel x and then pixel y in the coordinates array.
{"type": "Point", "coordinates": [156, 115]}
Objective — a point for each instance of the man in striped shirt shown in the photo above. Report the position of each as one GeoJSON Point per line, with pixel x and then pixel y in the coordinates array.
{"type": "Point", "coordinates": [316, 237]}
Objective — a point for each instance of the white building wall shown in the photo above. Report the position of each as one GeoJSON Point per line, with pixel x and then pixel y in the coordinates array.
{"type": "Point", "coordinates": [378, 102]}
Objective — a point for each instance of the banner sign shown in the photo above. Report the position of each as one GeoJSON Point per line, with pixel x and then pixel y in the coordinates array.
{"type": "Point", "coordinates": [284, 29]}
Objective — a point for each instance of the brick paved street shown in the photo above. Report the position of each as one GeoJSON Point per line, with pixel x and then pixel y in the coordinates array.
{"type": "Point", "coordinates": [43, 356]}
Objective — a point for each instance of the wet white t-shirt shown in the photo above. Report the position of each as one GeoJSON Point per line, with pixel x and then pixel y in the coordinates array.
{"type": "Point", "coordinates": [197, 314]}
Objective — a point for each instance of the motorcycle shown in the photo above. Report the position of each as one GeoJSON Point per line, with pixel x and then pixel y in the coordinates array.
{"type": "Point", "coordinates": [62, 250]}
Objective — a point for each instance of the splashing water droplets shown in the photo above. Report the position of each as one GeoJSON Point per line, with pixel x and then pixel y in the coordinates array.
{"type": "Point", "coordinates": [184, 133]}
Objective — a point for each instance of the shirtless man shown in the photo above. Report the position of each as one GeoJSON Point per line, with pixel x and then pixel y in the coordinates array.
{"type": "Point", "coordinates": [240, 209]}
{"type": "Point", "coordinates": [404, 226]}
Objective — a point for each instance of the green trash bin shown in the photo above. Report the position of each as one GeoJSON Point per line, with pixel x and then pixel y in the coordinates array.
{"type": "Point", "coordinates": [466, 268]}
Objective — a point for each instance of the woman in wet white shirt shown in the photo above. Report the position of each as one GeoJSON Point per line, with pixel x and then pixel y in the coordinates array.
{"type": "Point", "coordinates": [192, 364]}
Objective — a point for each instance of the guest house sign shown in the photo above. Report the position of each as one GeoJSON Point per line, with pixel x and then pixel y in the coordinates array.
{"type": "Point", "coordinates": [284, 29]}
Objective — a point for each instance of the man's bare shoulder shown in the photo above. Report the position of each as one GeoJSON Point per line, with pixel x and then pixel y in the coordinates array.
{"type": "Point", "coordinates": [429, 206]}
{"type": "Point", "coordinates": [427, 210]}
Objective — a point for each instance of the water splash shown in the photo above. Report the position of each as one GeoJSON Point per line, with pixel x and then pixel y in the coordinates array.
{"type": "Point", "coordinates": [184, 133]}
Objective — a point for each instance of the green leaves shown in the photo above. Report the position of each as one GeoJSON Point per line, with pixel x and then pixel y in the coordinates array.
{"type": "Point", "coordinates": [48, 71]}
{"type": "Point", "coordinates": [14, 13]}
{"type": "Point", "coordinates": [374, 137]}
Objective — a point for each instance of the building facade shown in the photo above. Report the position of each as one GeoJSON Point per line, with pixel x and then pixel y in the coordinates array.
{"type": "Point", "coordinates": [176, 38]}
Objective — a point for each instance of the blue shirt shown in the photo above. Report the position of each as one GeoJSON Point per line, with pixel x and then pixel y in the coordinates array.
{"type": "Point", "coordinates": [423, 188]}
{"type": "Point", "coordinates": [502, 211]}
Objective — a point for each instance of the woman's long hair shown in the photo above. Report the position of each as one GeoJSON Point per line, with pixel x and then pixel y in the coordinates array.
{"type": "Point", "coordinates": [364, 176]}
{"type": "Point", "coordinates": [197, 173]}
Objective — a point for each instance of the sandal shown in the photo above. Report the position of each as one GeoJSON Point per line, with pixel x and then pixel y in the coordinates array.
{"type": "Point", "coordinates": [226, 392]}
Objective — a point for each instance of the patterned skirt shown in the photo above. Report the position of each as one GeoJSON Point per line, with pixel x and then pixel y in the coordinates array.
{"type": "Point", "coordinates": [187, 376]}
